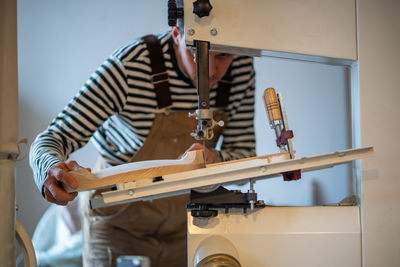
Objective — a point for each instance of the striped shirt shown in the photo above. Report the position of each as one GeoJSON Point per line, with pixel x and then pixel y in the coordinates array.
{"type": "Point", "coordinates": [116, 106]}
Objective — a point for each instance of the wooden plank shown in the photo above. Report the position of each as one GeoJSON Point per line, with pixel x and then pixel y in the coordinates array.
{"type": "Point", "coordinates": [263, 167]}
{"type": "Point", "coordinates": [132, 172]}
{"type": "Point", "coordinates": [135, 171]}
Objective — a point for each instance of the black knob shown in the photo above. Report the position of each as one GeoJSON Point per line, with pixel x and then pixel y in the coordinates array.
{"type": "Point", "coordinates": [202, 8]}
{"type": "Point", "coordinates": [174, 12]}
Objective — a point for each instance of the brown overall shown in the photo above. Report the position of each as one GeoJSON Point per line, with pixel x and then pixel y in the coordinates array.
{"type": "Point", "coordinates": [155, 229]}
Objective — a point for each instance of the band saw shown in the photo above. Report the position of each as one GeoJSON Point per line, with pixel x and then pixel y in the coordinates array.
{"type": "Point", "coordinates": [234, 227]}
{"type": "Point", "coordinates": [231, 227]}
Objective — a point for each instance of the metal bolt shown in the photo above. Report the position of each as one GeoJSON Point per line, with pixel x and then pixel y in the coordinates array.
{"type": "Point", "coordinates": [190, 32]}
{"type": "Point", "coordinates": [262, 169]}
{"type": "Point", "coordinates": [130, 192]}
{"type": "Point", "coordinates": [213, 32]}
{"type": "Point", "coordinates": [204, 103]}
{"type": "Point", "coordinates": [251, 205]}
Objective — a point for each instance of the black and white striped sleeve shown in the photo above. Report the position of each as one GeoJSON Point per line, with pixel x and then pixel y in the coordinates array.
{"type": "Point", "coordinates": [103, 95]}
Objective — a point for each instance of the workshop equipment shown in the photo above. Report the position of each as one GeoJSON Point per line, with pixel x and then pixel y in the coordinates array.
{"type": "Point", "coordinates": [308, 42]}
{"type": "Point", "coordinates": [305, 230]}
{"type": "Point", "coordinates": [211, 29]}
{"type": "Point", "coordinates": [261, 167]}
{"type": "Point", "coordinates": [277, 118]}
{"type": "Point", "coordinates": [198, 23]}
{"type": "Point", "coordinates": [259, 236]}
{"type": "Point", "coordinates": [203, 113]}
{"type": "Point", "coordinates": [208, 26]}
{"type": "Point", "coordinates": [279, 29]}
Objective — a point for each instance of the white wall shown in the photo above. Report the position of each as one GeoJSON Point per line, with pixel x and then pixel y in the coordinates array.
{"type": "Point", "coordinates": [379, 57]}
{"type": "Point", "coordinates": [61, 42]}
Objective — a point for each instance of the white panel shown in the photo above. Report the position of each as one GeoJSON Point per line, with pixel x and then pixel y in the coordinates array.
{"type": "Point", "coordinates": [379, 81]}
{"type": "Point", "coordinates": [286, 236]}
{"type": "Point", "coordinates": [323, 28]}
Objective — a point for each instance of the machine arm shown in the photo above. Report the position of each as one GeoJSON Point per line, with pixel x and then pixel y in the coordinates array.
{"type": "Point", "coordinates": [203, 114]}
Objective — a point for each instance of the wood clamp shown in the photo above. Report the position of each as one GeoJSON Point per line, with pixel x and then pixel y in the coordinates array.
{"type": "Point", "coordinates": [276, 113]}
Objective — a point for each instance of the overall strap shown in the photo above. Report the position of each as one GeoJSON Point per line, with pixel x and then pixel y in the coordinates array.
{"type": "Point", "coordinates": [159, 77]}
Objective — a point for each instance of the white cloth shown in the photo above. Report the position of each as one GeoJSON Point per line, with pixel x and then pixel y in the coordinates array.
{"type": "Point", "coordinates": [58, 236]}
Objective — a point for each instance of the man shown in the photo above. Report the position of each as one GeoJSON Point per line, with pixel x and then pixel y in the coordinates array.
{"type": "Point", "coordinates": [123, 109]}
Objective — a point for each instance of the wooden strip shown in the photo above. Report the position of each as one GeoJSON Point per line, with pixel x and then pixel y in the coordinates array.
{"type": "Point", "coordinates": [136, 171]}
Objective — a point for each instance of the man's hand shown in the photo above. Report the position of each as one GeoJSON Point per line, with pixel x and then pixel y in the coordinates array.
{"type": "Point", "coordinates": [56, 176]}
{"type": "Point", "coordinates": [210, 157]}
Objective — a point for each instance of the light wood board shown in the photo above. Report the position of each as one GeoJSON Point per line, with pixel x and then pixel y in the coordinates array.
{"type": "Point", "coordinates": [136, 171]}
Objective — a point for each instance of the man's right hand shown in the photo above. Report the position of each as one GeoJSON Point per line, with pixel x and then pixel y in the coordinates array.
{"type": "Point", "coordinates": [56, 177]}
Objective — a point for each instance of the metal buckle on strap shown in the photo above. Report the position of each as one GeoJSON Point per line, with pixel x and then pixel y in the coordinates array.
{"type": "Point", "coordinates": [159, 77]}
{"type": "Point", "coordinates": [165, 110]}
